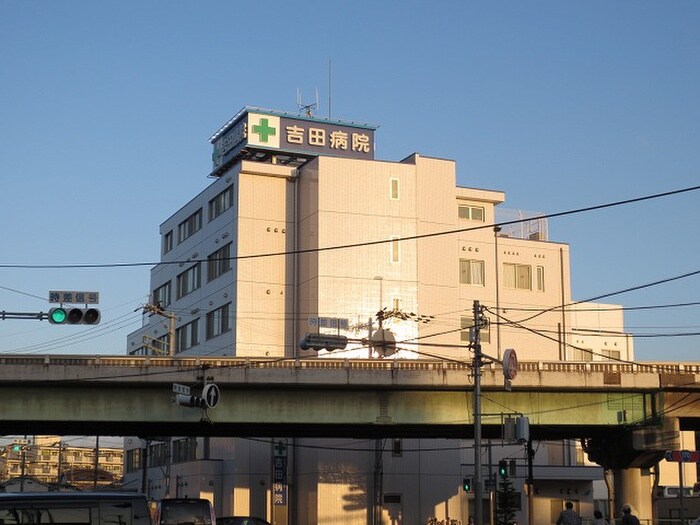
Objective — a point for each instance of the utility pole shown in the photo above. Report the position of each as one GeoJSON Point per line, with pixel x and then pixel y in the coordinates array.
{"type": "Point", "coordinates": [158, 310]}
{"type": "Point", "coordinates": [478, 481]}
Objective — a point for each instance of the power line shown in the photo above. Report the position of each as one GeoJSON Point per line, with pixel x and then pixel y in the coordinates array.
{"type": "Point", "coordinates": [362, 244]}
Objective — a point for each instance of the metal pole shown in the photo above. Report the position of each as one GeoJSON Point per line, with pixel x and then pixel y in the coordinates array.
{"type": "Point", "coordinates": [496, 230]}
{"type": "Point", "coordinates": [97, 462]}
{"type": "Point", "coordinates": [478, 486]}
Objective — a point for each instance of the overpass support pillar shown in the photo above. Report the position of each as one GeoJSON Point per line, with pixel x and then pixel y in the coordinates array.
{"type": "Point", "coordinates": [633, 486]}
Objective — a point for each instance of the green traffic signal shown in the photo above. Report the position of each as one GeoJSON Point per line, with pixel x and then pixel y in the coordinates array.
{"type": "Point", "coordinates": [57, 316]}
{"type": "Point", "coordinates": [74, 315]}
{"type": "Point", "coordinates": [502, 468]}
{"type": "Point", "coordinates": [467, 484]}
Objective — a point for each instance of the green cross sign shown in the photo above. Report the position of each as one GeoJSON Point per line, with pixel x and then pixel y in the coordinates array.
{"type": "Point", "coordinates": [264, 130]}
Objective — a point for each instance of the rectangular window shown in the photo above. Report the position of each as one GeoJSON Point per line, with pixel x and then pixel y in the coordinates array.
{"type": "Point", "coordinates": [395, 250]}
{"type": "Point", "coordinates": [219, 204]}
{"type": "Point", "coordinates": [540, 278]}
{"type": "Point", "coordinates": [582, 354]}
{"type": "Point", "coordinates": [161, 295]}
{"type": "Point", "coordinates": [518, 276]}
{"type": "Point", "coordinates": [219, 262]}
{"type": "Point", "coordinates": [187, 336]}
{"type": "Point", "coordinates": [189, 226]}
{"type": "Point", "coordinates": [189, 280]}
{"type": "Point", "coordinates": [184, 450]}
{"type": "Point", "coordinates": [472, 213]}
{"type": "Point", "coordinates": [471, 271]}
{"type": "Point", "coordinates": [611, 354]}
{"type": "Point", "coordinates": [394, 189]}
{"type": "Point", "coordinates": [167, 242]}
{"type": "Point", "coordinates": [218, 321]}
{"type": "Point", "coordinates": [467, 326]}
{"type": "Point", "coordinates": [133, 460]}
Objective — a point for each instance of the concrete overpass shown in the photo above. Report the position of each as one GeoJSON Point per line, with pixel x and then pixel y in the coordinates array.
{"type": "Point", "coordinates": [111, 395]}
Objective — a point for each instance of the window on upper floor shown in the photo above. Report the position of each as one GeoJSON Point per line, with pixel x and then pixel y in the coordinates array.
{"type": "Point", "coordinates": [471, 271]}
{"type": "Point", "coordinates": [218, 321]}
{"type": "Point", "coordinates": [582, 354]}
{"type": "Point", "coordinates": [167, 242]}
{"type": "Point", "coordinates": [517, 276]}
{"type": "Point", "coordinates": [189, 280]}
{"type": "Point", "coordinates": [219, 262]}
{"type": "Point", "coordinates": [472, 213]}
{"type": "Point", "coordinates": [189, 226]}
{"type": "Point", "coordinates": [539, 278]}
{"type": "Point", "coordinates": [395, 250]}
{"type": "Point", "coordinates": [394, 189]}
{"type": "Point", "coordinates": [187, 336]}
{"type": "Point", "coordinates": [161, 295]}
{"type": "Point", "coordinates": [611, 354]}
{"type": "Point", "coordinates": [219, 204]}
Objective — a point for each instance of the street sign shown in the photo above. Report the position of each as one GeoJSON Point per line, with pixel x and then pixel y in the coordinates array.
{"type": "Point", "coordinates": [211, 395]}
{"type": "Point", "coordinates": [181, 389]}
{"type": "Point", "coordinates": [683, 456]}
{"type": "Point", "coordinates": [510, 364]}
{"type": "Point", "coordinates": [73, 297]}
{"type": "Point", "coordinates": [329, 322]}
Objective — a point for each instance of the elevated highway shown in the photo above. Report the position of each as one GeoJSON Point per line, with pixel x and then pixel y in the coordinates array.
{"type": "Point", "coordinates": [119, 395]}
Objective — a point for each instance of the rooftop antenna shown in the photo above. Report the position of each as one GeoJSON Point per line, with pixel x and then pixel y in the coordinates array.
{"type": "Point", "coordinates": [307, 108]}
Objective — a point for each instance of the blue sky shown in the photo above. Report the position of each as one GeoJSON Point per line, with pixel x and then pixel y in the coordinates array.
{"type": "Point", "coordinates": [106, 110]}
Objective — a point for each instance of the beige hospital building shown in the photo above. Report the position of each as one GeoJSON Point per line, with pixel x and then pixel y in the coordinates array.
{"type": "Point", "coordinates": [301, 229]}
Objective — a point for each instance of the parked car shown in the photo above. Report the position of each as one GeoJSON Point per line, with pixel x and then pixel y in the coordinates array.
{"type": "Point", "coordinates": [183, 511]}
{"type": "Point", "coordinates": [241, 520]}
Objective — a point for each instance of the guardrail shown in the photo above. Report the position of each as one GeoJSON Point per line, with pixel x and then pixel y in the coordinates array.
{"type": "Point", "coordinates": [355, 364]}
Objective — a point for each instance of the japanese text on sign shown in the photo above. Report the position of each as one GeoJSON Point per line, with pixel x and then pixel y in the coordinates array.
{"type": "Point", "coordinates": [73, 297]}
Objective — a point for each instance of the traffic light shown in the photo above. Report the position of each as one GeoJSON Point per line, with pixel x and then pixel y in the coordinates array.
{"type": "Point", "coordinates": [74, 315]}
{"type": "Point", "coordinates": [503, 468]}
{"type": "Point", "coordinates": [323, 341]}
{"type": "Point", "coordinates": [190, 401]}
{"type": "Point", "coordinates": [467, 484]}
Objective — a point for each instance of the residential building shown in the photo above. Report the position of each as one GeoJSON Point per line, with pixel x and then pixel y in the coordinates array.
{"type": "Point", "coordinates": [56, 463]}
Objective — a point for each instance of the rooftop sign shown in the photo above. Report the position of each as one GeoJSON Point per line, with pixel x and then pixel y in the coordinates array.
{"type": "Point", "coordinates": [286, 135]}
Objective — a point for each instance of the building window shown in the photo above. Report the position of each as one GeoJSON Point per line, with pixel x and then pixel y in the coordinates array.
{"type": "Point", "coordinates": [158, 454]}
{"type": "Point", "coordinates": [539, 271]}
{"type": "Point", "coordinates": [133, 460]}
{"type": "Point", "coordinates": [394, 189]}
{"type": "Point", "coordinates": [219, 204]}
{"type": "Point", "coordinates": [161, 295]}
{"type": "Point", "coordinates": [184, 450]}
{"type": "Point", "coordinates": [167, 242]}
{"type": "Point", "coordinates": [189, 280]}
{"type": "Point", "coordinates": [471, 271]}
{"type": "Point", "coordinates": [218, 321]}
{"type": "Point", "coordinates": [219, 262]}
{"type": "Point", "coordinates": [611, 354]}
{"type": "Point", "coordinates": [582, 354]}
{"type": "Point", "coordinates": [189, 226]}
{"type": "Point", "coordinates": [395, 250]}
{"type": "Point", "coordinates": [467, 326]}
{"type": "Point", "coordinates": [472, 213]}
{"type": "Point", "coordinates": [518, 276]}
{"type": "Point", "coordinates": [187, 336]}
